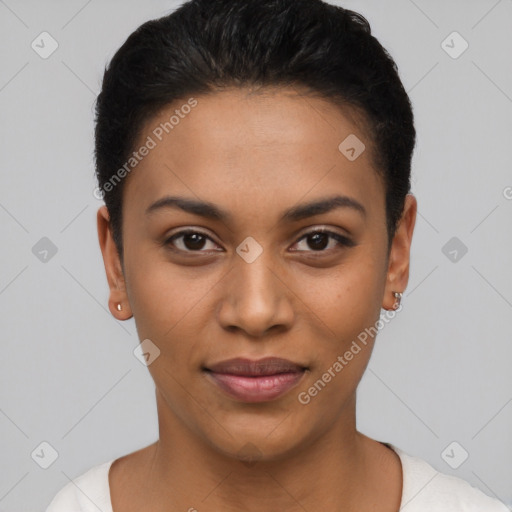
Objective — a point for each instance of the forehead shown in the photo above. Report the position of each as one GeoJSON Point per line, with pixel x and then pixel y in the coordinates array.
{"type": "Point", "coordinates": [240, 144]}
{"type": "Point", "coordinates": [240, 119]}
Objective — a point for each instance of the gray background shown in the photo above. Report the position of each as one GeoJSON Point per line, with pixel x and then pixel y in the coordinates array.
{"type": "Point", "coordinates": [440, 371]}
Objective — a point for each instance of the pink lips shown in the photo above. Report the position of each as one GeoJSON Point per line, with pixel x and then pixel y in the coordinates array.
{"type": "Point", "coordinates": [256, 381]}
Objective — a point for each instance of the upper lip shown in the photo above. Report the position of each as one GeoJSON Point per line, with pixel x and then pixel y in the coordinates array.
{"type": "Point", "coordinates": [249, 367]}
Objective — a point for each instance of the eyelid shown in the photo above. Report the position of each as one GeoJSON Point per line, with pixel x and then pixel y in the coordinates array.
{"type": "Point", "coordinates": [319, 228]}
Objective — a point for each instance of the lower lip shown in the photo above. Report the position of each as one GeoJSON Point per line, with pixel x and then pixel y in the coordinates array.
{"type": "Point", "coordinates": [256, 389]}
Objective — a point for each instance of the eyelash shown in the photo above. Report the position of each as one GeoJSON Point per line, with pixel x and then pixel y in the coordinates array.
{"type": "Point", "coordinates": [343, 241]}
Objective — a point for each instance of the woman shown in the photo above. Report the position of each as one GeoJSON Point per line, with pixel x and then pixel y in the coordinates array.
{"type": "Point", "coordinates": [254, 157]}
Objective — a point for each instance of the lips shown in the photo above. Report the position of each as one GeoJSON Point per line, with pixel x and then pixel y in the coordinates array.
{"type": "Point", "coordinates": [255, 380]}
{"type": "Point", "coordinates": [261, 367]}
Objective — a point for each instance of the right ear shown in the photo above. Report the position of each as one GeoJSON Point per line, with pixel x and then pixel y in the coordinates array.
{"type": "Point", "coordinates": [113, 267]}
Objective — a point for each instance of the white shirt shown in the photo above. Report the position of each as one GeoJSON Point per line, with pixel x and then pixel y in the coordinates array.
{"type": "Point", "coordinates": [424, 490]}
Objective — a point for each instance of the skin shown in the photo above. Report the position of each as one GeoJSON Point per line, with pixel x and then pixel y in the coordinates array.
{"type": "Point", "coordinates": [255, 156]}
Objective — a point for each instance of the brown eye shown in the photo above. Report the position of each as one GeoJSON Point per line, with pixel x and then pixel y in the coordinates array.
{"type": "Point", "coordinates": [190, 241]}
{"type": "Point", "coordinates": [318, 241]}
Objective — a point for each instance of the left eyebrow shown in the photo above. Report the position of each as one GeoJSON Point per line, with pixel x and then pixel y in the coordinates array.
{"type": "Point", "coordinates": [294, 214]}
{"type": "Point", "coordinates": [320, 206]}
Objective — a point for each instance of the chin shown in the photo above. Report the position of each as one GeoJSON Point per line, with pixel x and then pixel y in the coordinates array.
{"type": "Point", "coordinates": [264, 439]}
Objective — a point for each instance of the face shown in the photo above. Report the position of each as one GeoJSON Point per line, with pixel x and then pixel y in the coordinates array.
{"type": "Point", "coordinates": [248, 234]}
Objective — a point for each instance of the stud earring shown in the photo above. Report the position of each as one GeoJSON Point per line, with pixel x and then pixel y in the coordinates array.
{"type": "Point", "coordinates": [119, 307]}
{"type": "Point", "coordinates": [398, 301]}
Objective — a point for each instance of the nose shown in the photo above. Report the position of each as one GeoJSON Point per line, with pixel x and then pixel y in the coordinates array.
{"type": "Point", "coordinates": [256, 298]}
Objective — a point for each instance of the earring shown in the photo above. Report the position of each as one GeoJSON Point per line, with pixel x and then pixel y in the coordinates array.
{"type": "Point", "coordinates": [398, 301]}
{"type": "Point", "coordinates": [119, 307]}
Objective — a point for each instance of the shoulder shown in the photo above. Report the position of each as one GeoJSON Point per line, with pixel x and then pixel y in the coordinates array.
{"type": "Point", "coordinates": [426, 489]}
{"type": "Point", "coordinates": [88, 492]}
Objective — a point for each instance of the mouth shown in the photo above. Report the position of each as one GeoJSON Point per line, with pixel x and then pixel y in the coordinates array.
{"type": "Point", "coordinates": [260, 380]}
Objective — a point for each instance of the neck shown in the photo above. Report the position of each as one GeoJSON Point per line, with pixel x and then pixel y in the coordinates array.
{"type": "Point", "coordinates": [321, 474]}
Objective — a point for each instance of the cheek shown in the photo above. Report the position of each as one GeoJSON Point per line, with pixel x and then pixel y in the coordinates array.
{"type": "Point", "coordinates": [162, 296]}
{"type": "Point", "coordinates": [347, 297]}
{"type": "Point", "coordinates": [168, 308]}
{"type": "Point", "coordinates": [344, 306]}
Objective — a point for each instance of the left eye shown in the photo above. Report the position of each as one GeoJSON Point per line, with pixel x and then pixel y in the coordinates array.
{"type": "Point", "coordinates": [319, 240]}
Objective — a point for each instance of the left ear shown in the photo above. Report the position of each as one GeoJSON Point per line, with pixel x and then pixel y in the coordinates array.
{"type": "Point", "coordinates": [399, 255]}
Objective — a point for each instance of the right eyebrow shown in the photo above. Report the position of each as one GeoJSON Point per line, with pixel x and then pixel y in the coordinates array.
{"type": "Point", "coordinates": [201, 208]}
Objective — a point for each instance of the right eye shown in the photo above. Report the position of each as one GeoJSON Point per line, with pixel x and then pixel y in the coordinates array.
{"type": "Point", "coordinates": [189, 240]}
